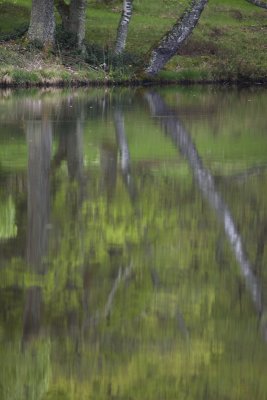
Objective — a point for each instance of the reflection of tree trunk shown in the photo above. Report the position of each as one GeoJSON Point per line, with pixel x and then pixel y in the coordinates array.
{"type": "Point", "coordinates": [109, 168]}
{"type": "Point", "coordinates": [125, 161]}
{"type": "Point", "coordinates": [39, 137]}
{"type": "Point", "coordinates": [205, 182]}
{"type": "Point", "coordinates": [75, 151]}
{"type": "Point", "coordinates": [70, 147]}
{"type": "Point", "coordinates": [32, 313]}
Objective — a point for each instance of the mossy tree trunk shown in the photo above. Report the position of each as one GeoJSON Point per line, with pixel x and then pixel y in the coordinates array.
{"type": "Point", "coordinates": [73, 18]}
{"type": "Point", "coordinates": [123, 26]}
{"type": "Point", "coordinates": [172, 40]}
{"type": "Point", "coordinates": [42, 24]}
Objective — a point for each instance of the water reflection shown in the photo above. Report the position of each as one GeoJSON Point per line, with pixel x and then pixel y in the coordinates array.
{"type": "Point", "coordinates": [109, 279]}
{"type": "Point", "coordinates": [39, 140]}
{"type": "Point", "coordinates": [125, 159]}
{"type": "Point", "coordinates": [70, 125]}
{"type": "Point", "coordinates": [205, 181]}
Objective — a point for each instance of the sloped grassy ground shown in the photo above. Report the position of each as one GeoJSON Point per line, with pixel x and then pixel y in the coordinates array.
{"type": "Point", "coordinates": [229, 44]}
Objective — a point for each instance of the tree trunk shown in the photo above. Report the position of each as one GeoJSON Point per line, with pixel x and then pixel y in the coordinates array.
{"type": "Point", "coordinates": [258, 3]}
{"type": "Point", "coordinates": [73, 17]}
{"type": "Point", "coordinates": [108, 161]}
{"type": "Point", "coordinates": [64, 12]}
{"type": "Point", "coordinates": [173, 40]}
{"type": "Point", "coordinates": [123, 26]}
{"type": "Point", "coordinates": [42, 24]}
{"type": "Point", "coordinates": [77, 20]}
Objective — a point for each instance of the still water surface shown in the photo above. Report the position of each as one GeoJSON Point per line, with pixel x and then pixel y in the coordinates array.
{"type": "Point", "coordinates": [133, 230]}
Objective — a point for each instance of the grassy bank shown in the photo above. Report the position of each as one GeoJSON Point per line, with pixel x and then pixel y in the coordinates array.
{"type": "Point", "coordinates": [229, 44]}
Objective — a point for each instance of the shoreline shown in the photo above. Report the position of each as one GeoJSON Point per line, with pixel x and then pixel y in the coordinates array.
{"type": "Point", "coordinates": [77, 83]}
{"type": "Point", "coordinates": [220, 51]}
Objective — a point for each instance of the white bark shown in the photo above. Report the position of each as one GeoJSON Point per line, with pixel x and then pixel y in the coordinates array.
{"type": "Point", "coordinates": [173, 40]}
{"type": "Point", "coordinates": [123, 26]}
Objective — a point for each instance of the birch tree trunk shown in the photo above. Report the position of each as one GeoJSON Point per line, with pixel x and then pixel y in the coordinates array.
{"type": "Point", "coordinates": [172, 41]}
{"type": "Point", "coordinates": [122, 31]}
{"type": "Point", "coordinates": [42, 24]}
{"type": "Point", "coordinates": [258, 3]}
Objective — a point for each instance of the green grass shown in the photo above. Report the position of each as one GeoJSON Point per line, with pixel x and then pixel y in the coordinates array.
{"type": "Point", "coordinates": [14, 16]}
{"type": "Point", "coordinates": [228, 44]}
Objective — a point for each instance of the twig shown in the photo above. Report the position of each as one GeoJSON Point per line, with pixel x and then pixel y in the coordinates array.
{"type": "Point", "coordinates": [122, 276]}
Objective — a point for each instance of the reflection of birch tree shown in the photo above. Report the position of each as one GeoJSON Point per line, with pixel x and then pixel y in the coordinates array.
{"type": "Point", "coordinates": [125, 160]}
{"type": "Point", "coordinates": [205, 181]}
{"type": "Point", "coordinates": [108, 161]}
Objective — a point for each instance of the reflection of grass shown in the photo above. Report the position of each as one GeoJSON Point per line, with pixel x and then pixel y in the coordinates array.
{"type": "Point", "coordinates": [25, 374]}
{"type": "Point", "coordinates": [143, 351]}
{"type": "Point", "coordinates": [13, 155]}
{"type": "Point", "coordinates": [8, 228]}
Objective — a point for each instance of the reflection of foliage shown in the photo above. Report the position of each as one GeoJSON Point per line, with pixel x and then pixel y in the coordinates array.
{"type": "Point", "coordinates": [180, 321]}
{"type": "Point", "coordinates": [8, 228]}
{"type": "Point", "coordinates": [25, 374]}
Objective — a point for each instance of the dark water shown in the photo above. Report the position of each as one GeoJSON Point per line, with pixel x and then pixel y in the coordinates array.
{"type": "Point", "coordinates": [133, 257]}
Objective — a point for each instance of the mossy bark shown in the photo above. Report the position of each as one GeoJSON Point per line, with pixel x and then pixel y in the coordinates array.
{"type": "Point", "coordinates": [73, 18]}
{"type": "Point", "coordinates": [42, 24]}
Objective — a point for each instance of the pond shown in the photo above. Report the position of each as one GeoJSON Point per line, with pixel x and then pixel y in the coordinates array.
{"type": "Point", "coordinates": [133, 231]}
